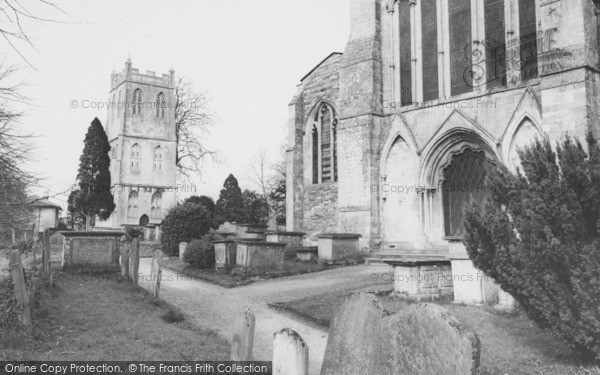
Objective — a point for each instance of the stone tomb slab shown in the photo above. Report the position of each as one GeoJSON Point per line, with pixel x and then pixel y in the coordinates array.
{"type": "Point", "coordinates": [91, 247]}
{"type": "Point", "coordinates": [425, 279]}
{"type": "Point", "coordinates": [420, 339]}
{"type": "Point", "coordinates": [291, 239]}
{"type": "Point", "coordinates": [225, 255]}
{"type": "Point", "coordinates": [306, 253]}
{"type": "Point", "coordinates": [334, 246]}
{"type": "Point", "coordinates": [259, 256]}
{"type": "Point", "coordinates": [249, 229]}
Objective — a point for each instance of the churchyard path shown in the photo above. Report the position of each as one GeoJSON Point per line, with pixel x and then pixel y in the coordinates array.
{"type": "Point", "coordinates": [214, 307]}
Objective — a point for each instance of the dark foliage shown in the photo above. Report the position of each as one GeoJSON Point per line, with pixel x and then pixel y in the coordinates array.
{"type": "Point", "coordinates": [200, 253]}
{"type": "Point", "coordinates": [230, 205]}
{"type": "Point", "coordinates": [94, 196]}
{"type": "Point", "coordinates": [537, 235]}
{"type": "Point", "coordinates": [257, 207]}
{"type": "Point", "coordinates": [204, 200]}
{"type": "Point", "coordinates": [183, 223]}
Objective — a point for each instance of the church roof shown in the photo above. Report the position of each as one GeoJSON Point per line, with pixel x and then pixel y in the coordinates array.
{"type": "Point", "coordinates": [38, 201]}
{"type": "Point", "coordinates": [319, 64]}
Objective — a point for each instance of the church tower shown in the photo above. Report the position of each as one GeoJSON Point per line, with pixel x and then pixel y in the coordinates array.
{"type": "Point", "coordinates": [141, 130]}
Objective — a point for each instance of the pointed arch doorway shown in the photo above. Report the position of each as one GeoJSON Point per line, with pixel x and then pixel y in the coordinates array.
{"type": "Point", "coordinates": [144, 220]}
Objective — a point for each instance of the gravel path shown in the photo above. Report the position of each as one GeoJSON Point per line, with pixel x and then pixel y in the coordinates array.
{"type": "Point", "coordinates": [219, 308]}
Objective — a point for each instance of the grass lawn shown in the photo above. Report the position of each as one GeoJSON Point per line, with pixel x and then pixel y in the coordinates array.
{"type": "Point", "coordinates": [104, 319]}
{"type": "Point", "coordinates": [511, 344]}
{"type": "Point", "coordinates": [231, 280]}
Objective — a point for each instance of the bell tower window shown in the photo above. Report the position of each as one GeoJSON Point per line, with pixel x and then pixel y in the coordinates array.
{"type": "Point", "coordinates": [137, 101]}
{"type": "Point", "coordinates": [160, 105]}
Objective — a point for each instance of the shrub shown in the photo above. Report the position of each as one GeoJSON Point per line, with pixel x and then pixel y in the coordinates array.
{"type": "Point", "coordinates": [538, 236]}
{"type": "Point", "coordinates": [200, 253]}
{"type": "Point", "coordinates": [230, 205]}
{"type": "Point", "coordinates": [134, 232]}
{"type": "Point", "coordinates": [183, 223]}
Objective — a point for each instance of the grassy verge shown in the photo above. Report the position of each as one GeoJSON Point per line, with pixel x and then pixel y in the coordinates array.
{"type": "Point", "coordinates": [93, 316]}
{"type": "Point", "coordinates": [231, 280]}
{"type": "Point", "coordinates": [511, 344]}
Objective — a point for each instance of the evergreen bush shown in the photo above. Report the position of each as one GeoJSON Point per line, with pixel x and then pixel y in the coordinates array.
{"type": "Point", "coordinates": [538, 236]}
{"type": "Point", "coordinates": [183, 223]}
{"type": "Point", "coordinates": [200, 253]}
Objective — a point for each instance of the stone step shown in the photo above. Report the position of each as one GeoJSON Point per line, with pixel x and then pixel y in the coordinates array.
{"type": "Point", "coordinates": [381, 257]}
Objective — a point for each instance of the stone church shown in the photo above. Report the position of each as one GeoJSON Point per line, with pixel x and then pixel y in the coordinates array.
{"type": "Point", "coordinates": [141, 130]}
{"type": "Point", "coordinates": [388, 138]}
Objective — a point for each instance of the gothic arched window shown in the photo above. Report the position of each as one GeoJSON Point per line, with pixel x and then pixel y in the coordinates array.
{"type": "Point", "coordinates": [132, 204]}
{"type": "Point", "coordinates": [324, 144]}
{"type": "Point", "coordinates": [156, 205]}
{"type": "Point", "coordinates": [137, 101]}
{"type": "Point", "coordinates": [158, 158]}
{"type": "Point", "coordinates": [160, 105]}
{"type": "Point", "coordinates": [135, 157]}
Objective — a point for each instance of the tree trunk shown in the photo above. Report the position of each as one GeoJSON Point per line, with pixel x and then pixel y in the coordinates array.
{"type": "Point", "coordinates": [88, 222]}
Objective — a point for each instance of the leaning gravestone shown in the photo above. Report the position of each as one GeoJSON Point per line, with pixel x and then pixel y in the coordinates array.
{"type": "Point", "coordinates": [418, 340]}
{"type": "Point", "coordinates": [352, 336]}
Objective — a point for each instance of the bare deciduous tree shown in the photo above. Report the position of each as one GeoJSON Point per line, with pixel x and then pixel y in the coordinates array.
{"type": "Point", "coordinates": [259, 172]}
{"type": "Point", "coordinates": [15, 150]}
{"type": "Point", "coordinates": [13, 15]}
{"type": "Point", "coordinates": [15, 147]}
{"type": "Point", "coordinates": [267, 178]}
{"type": "Point", "coordinates": [193, 122]}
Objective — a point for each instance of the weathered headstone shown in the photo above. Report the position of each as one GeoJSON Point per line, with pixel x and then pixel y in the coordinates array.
{"type": "Point", "coordinates": [20, 288]}
{"type": "Point", "coordinates": [352, 336]}
{"type": "Point", "coordinates": [46, 253]}
{"type": "Point", "coordinates": [423, 340]}
{"type": "Point", "coordinates": [290, 353]}
{"type": "Point", "coordinates": [124, 262]}
{"type": "Point", "coordinates": [156, 273]}
{"type": "Point", "coordinates": [182, 247]}
{"type": "Point", "coordinates": [420, 339]}
{"type": "Point", "coordinates": [134, 261]}
{"type": "Point", "coordinates": [243, 338]}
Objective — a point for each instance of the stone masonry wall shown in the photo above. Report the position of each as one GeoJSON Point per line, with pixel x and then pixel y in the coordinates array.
{"type": "Point", "coordinates": [314, 206]}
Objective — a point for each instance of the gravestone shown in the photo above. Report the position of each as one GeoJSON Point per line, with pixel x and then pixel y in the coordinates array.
{"type": "Point", "coordinates": [20, 288]}
{"type": "Point", "coordinates": [182, 247]}
{"type": "Point", "coordinates": [134, 263]}
{"type": "Point", "coordinates": [156, 273]}
{"type": "Point", "coordinates": [424, 339]}
{"type": "Point", "coordinates": [352, 336]}
{"type": "Point", "coordinates": [243, 338]}
{"type": "Point", "coordinates": [420, 339]}
{"type": "Point", "coordinates": [290, 353]}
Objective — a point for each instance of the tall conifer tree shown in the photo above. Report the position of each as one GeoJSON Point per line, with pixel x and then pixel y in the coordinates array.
{"type": "Point", "coordinates": [230, 206]}
{"type": "Point", "coordinates": [94, 196]}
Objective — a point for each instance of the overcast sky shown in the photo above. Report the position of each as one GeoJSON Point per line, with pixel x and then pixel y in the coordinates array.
{"type": "Point", "coordinates": [247, 55]}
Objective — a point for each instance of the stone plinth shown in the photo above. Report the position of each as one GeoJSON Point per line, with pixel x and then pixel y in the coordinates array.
{"type": "Point", "coordinates": [91, 247]}
{"type": "Point", "coordinates": [422, 279]}
{"type": "Point", "coordinates": [223, 235]}
{"type": "Point", "coordinates": [306, 253]}
{"type": "Point", "coordinates": [333, 246]}
{"type": "Point", "coordinates": [291, 239]}
{"type": "Point", "coordinates": [225, 255]}
{"type": "Point", "coordinates": [249, 229]}
{"type": "Point", "coordinates": [259, 256]}
{"type": "Point", "coordinates": [255, 234]}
